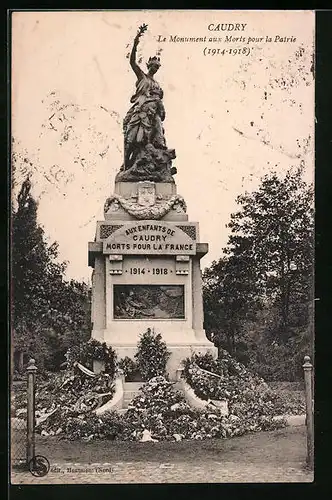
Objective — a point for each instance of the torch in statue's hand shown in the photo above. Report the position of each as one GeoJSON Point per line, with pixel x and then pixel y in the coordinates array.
{"type": "Point", "coordinates": [140, 32]}
{"type": "Point", "coordinates": [142, 29]}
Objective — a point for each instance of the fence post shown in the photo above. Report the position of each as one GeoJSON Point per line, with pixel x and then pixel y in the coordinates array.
{"type": "Point", "coordinates": [307, 367]}
{"type": "Point", "coordinates": [31, 370]}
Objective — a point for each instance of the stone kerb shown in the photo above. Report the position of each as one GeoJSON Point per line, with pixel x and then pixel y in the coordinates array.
{"type": "Point", "coordinates": [200, 404]}
{"type": "Point", "coordinates": [116, 402]}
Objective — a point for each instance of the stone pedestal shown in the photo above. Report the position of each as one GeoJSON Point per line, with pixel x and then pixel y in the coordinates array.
{"type": "Point", "coordinates": [146, 259]}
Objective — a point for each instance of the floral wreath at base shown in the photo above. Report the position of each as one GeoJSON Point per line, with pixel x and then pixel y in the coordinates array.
{"type": "Point", "coordinates": [161, 208]}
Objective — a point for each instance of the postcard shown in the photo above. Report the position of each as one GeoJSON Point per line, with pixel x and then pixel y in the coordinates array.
{"type": "Point", "coordinates": [162, 246]}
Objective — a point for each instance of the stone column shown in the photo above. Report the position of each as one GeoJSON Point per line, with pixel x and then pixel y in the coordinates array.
{"type": "Point", "coordinates": [92, 298]}
{"type": "Point", "coordinates": [31, 370]}
{"type": "Point", "coordinates": [307, 367]}
{"type": "Point", "coordinates": [198, 314]}
{"type": "Point", "coordinates": [99, 296]}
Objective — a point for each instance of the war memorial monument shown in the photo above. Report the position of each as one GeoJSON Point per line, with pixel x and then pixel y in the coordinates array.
{"type": "Point", "coordinates": [146, 253]}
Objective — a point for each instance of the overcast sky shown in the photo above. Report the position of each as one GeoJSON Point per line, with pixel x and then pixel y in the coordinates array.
{"type": "Point", "coordinates": [230, 118]}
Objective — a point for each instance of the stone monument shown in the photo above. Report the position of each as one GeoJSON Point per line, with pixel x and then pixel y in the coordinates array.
{"type": "Point", "coordinates": [146, 254]}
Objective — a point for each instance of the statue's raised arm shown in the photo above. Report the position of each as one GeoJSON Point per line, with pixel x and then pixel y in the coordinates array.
{"type": "Point", "coordinates": [146, 155]}
{"type": "Point", "coordinates": [137, 70]}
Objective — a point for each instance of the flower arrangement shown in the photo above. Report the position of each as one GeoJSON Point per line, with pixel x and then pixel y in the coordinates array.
{"type": "Point", "coordinates": [248, 395]}
{"type": "Point", "coordinates": [152, 409]}
{"type": "Point", "coordinates": [92, 350]}
{"type": "Point", "coordinates": [152, 355]}
{"type": "Point", "coordinates": [71, 397]}
{"type": "Point", "coordinates": [163, 411]}
{"type": "Point", "coordinates": [108, 427]}
{"type": "Point", "coordinates": [158, 408]}
{"type": "Point", "coordinates": [129, 368]}
{"type": "Point", "coordinates": [65, 405]}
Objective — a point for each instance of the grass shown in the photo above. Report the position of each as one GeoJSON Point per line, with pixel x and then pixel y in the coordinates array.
{"type": "Point", "coordinates": [282, 447]}
{"type": "Point", "coordinates": [287, 386]}
{"type": "Point", "coordinates": [293, 394]}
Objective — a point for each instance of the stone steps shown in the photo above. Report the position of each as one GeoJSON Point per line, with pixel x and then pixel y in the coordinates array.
{"type": "Point", "coordinates": [130, 390]}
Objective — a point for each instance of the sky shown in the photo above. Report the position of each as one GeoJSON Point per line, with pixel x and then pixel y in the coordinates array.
{"type": "Point", "coordinates": [231, 116]}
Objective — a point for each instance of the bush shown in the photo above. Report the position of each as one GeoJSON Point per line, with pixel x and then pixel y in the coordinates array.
{"type": "Point", "coordinates": [92, 350]}
{"type": "Point", "coordinates": [152, 355]}
{"type": "Point", "coordinates": [277, 362]}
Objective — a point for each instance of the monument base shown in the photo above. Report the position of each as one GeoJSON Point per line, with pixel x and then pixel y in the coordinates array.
{"type": "Point", "coordinates": [146, 259]}
{"type": "Point", "coordinates": [180, 343]}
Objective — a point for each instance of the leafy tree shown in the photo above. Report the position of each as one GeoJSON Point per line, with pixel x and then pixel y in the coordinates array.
{"type": "Point", "coordinates": [47, 311]}
{"type": "Point", "coordinates": [30, 262]}
{"type": "Point", "coordinates": [230, 296]}
{"type": "Point", "coordinates": [267, 265]}
{"type": "Point", "coordinates": [277, 224]}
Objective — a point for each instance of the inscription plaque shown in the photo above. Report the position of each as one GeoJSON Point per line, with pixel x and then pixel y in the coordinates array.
{"type": "Point", "coordinates": [149, 238]}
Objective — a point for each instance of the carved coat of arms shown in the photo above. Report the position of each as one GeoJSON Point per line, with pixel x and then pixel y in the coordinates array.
{"type": "Point", "coordinates": [146, 192]}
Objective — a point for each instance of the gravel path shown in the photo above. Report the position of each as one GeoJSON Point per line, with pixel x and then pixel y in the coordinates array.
{"type": "Point", "coordinates": [152, 472]}
{"type": "Point", "coordinates": [276, 456]}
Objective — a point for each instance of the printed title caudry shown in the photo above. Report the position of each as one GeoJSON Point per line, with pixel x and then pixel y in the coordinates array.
{"type": "Point", "coordinates": [210, 27]}
{"type": "Point", "coordinates": [225, 27]}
